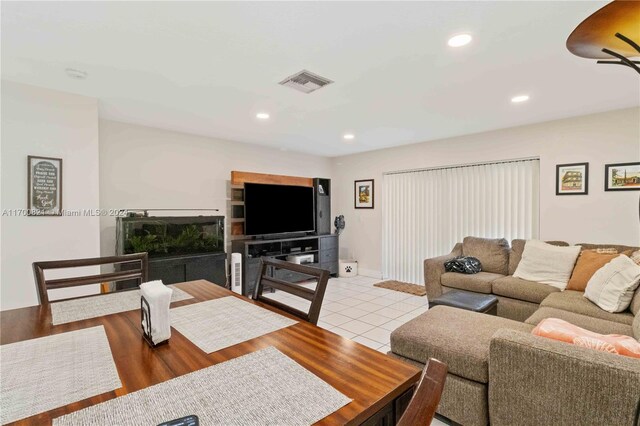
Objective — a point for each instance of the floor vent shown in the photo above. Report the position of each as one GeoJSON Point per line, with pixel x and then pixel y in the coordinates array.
{"type": "Point", "coordinates": [305, 81]}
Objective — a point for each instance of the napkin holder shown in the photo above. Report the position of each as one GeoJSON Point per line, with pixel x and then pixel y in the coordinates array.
{"type": "Point", "coordinates": [145, 312]}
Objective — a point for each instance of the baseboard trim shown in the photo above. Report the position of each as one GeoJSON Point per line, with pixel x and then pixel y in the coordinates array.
{"type": "Point", "coordinates": [371, 273]}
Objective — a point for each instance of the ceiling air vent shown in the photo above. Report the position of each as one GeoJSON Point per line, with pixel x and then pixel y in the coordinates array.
{"type": "Point", "coordinates": [305, 81]}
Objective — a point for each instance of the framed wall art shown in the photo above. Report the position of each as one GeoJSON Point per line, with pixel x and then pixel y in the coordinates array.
{"type": "Point", "coordinates": [572, 179]}
{"type": "Point", "coordinates": [363, 194]}
{"type": "Point", "coordinates": [622, 177]}
{"type": "Point", "coordinates": [44, 186]}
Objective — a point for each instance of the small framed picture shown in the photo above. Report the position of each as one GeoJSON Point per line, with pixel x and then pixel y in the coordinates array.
{"type": "Point", "coordinates": [44, 186]}
{"type": "Point", "coordinates": [622, 177]}
{"type": "Point", "coordinates": [572, 179]}
{"type": "Point", "coordinates": [364, 194]}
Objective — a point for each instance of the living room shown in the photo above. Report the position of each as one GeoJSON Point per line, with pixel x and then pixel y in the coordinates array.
{"type": "Point", "coordinates": [427, 122]}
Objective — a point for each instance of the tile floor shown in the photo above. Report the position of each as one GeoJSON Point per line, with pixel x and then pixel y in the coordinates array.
{"type": "Point", "coordinates": [357, 310]}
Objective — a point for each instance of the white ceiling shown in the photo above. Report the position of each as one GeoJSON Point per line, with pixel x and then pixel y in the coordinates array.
{"type": "Point", "coordinates": [208, 67]}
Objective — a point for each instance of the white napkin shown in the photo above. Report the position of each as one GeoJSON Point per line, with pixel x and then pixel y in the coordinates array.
{"type": "Point", "coordinates": [158, 296]}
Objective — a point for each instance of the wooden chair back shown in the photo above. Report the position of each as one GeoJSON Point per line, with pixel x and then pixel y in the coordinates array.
{"type": "Point", "coordinates": [424, 403]}
{"type": "Point", "coordinates": [314, 296]}
{"type": "Point", "coordinates": [132, 271]}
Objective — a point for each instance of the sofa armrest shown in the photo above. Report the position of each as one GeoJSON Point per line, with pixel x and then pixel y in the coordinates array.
{"type": "Point", "coordinates": [538, 381]}
{"type": "Point", "coordinates": [434, 268]}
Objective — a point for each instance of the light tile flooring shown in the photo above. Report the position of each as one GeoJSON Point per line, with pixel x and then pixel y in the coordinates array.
{"type": "Point", "coordinates": [355, 309]}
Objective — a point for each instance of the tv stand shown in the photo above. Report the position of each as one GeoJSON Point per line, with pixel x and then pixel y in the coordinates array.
{"type": "Point", "coordinates": [324, 249]}
{"type": "Point", "coordinates": [279, 236]}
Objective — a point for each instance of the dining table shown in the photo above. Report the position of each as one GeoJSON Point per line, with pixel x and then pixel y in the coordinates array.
{"type": "Point", "coordinates": [379, 385]}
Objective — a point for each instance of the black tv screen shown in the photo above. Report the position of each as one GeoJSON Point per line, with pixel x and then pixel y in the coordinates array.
{"type": "Point", "coordinates": [278, 209]}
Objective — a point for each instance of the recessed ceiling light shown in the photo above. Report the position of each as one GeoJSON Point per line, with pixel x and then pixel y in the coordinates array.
{"type": "Point", "coordinates": [262, 116]}
{"type": "Point", "coordinates": [349, 136]}
{"type": "Point", "coordinates": [459, 40]}
{"type": "Point", "coordinates": [76, 74]}
{"type": "Point", "coordinates": [520, 98]}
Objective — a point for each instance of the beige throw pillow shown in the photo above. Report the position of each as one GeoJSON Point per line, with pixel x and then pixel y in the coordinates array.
{"type": "Point", "coordinates": [613, 285]}
{"type": "Point", "coordinates": [547, 264]}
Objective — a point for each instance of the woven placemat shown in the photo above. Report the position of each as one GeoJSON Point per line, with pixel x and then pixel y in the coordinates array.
{"type": "Point", "coordinates": [219, 323]}
{"type": "Point", "coordinates": [415, 289]}
{"type": "Point", "coordinates": [104, 304]}
{"type": "Point", "coordinates": [262, 388]}
{"type": "Point", "coordinates": [41, 374]}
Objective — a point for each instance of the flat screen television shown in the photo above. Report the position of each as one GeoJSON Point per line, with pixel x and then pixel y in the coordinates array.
{"type": "Point", "coordinates": [278, 209]}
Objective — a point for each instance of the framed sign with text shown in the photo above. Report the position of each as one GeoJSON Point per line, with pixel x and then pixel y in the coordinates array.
{"type": "Point", "coordinates": [44, 186]}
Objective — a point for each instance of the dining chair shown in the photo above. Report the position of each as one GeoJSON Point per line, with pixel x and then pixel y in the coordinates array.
{"type": "Point", "coordinates": [137, 267]}
{"type": "Point", "coordinates": [266, 278]}
{"type": "Point", "coordinates": [424, 403]}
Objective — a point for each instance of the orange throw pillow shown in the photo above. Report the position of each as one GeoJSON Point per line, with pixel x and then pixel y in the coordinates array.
{"type": "Point", "coordinates": [557, 329]}
{"type": "Point", "coordinates": [588, 263]}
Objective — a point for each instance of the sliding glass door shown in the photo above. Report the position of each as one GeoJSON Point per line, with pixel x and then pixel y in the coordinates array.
{"type": "Point", "coordinates": [425, 212]}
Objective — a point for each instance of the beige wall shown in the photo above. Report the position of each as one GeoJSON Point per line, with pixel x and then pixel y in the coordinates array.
{"type": "Point", "coordinates": [611, 137]}
{"type": "Point", "coordinates": [43, 122]}
{"type": "Point", "coordinates": [144, 167]}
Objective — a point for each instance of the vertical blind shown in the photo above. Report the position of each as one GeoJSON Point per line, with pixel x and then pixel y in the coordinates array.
{"type": "Point", "coordinates": [425, 212]}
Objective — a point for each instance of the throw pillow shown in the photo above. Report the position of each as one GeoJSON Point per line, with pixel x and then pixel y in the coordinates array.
{"type": "Point", "coordinates": [463, 265]}
{"type": "Point", "coordinates": [517, 247]}
{"type": "Point", "coordinates": [613, 285]}
{"type": "Point", "coordinates": [587, 265]}
{"type": "Point", "coordinates": [546, 263]}
{"type": "Point", "coordinates": [635, 256]}
{"type": "Point", "coordinates": [492, 253]}
{"type": "Point", "coordinates": [557, 329]}
{"type": "Point", "coordinates": [605, 250]}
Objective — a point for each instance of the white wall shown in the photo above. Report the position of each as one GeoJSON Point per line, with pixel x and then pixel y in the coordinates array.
{"type": "Point", "coordinates": [48, 123]}
{"type": "Point", "coordinates": [144, 167]}
{"type": "Point", "coordinates": [136, 167]}
{"type": "Point", "coordinates": [604, 217]}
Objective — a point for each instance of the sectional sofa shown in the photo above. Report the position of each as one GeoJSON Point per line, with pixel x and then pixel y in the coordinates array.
{"type": "Point", "coordinates": [501, 374]}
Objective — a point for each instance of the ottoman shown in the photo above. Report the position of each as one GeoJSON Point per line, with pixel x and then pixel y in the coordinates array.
{"type": "Point", "coordinates": [460, 339]}
{"type": "Point", "coordinates": [469, 301]}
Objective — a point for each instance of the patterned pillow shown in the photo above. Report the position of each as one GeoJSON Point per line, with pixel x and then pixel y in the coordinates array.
{"type": "Point", "coordinates": [635, 256]}
{"type": "Point", "coordinates": [606, 250]}
{"type": "Point", "coordinates": [557, 329]}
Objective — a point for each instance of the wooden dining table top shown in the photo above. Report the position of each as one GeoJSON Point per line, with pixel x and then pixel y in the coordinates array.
{"type": "Point", "coordinates": [372, 379]}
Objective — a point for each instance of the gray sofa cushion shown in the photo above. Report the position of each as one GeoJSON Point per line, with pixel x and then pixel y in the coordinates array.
{"type": "Point", "coordinates": [574, 301]}
{"type": "Point", "coordinates": [635, 303]}
{"type": "Point", "coordinates": [636, 326]}
{"type": "Point", "coordinates": [492, 253]}
{"type": "Point", "coordinates": [456, 337]}
{"type": "Point", "coordinates": [517, 288]}
{"type": "Point", "coordinates": [479, 283]}
{"type": "Point", "coordinates": [542, 382]}
{"type": "Point", "coordinates": [517, 310]}
{"type": "Point", "coordinates": [596, 325]}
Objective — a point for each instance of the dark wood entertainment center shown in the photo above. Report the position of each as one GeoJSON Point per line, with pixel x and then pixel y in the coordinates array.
{"type": "Point", "coordinates": [323, 248]}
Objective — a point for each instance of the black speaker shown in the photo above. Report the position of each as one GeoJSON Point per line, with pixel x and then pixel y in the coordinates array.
{"type": "Point", "coordinates": [322, 192]}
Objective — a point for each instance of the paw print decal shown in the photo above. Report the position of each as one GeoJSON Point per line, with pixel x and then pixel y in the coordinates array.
{"type": "Point", "coordinates": [348, 268]}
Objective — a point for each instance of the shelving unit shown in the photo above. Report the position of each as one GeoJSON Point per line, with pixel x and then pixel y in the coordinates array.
{"type": "Point", "coordinates": [323, 248]}
{"type": "Point", "coordinates": [236, 212]}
